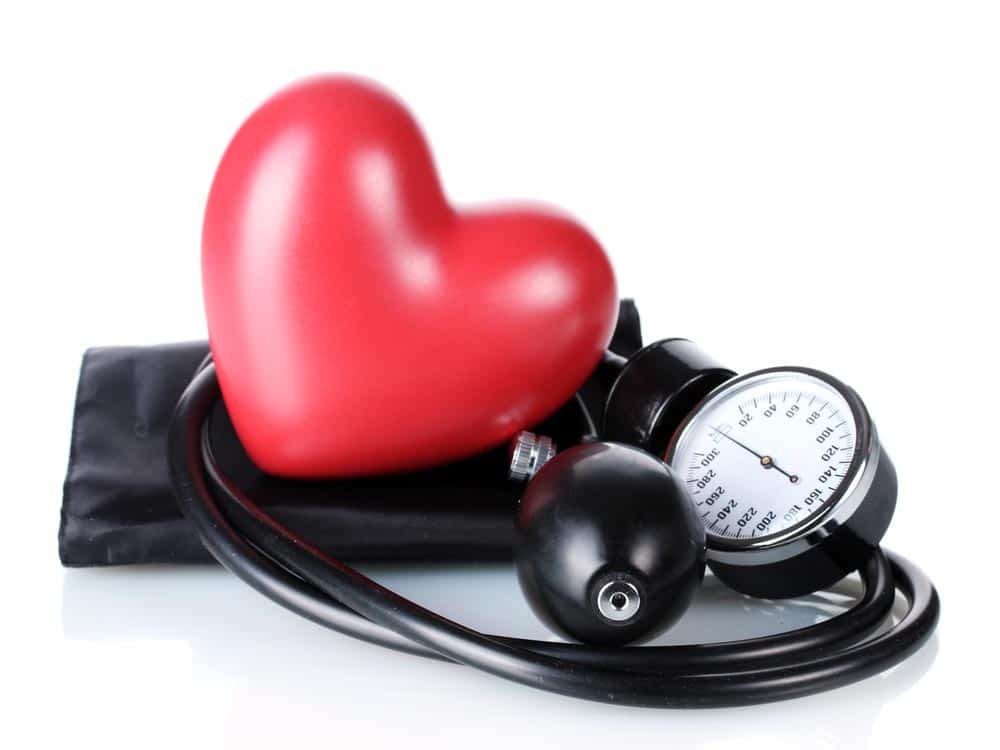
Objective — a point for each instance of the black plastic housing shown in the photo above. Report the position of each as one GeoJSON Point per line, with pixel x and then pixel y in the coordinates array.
{"type": "Point", "coordinates": [655, 389]}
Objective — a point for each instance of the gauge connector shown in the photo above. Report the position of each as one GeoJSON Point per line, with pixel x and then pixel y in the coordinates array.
{"type": "Point", "coordinates": [528, 453]}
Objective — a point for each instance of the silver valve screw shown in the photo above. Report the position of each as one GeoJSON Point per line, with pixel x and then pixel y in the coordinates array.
{"type": "Point", "coordinates": [528, 453]}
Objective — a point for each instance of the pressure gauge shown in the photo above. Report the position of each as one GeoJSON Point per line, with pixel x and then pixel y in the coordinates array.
{"type": "Point", "coordinates": [786, 472]}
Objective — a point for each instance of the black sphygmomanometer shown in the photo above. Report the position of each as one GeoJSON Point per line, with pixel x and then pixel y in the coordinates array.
{"type": "Point", "coordinates": [775, 479]}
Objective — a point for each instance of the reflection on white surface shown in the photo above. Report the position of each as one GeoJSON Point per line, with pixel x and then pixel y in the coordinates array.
{"type": "Point", "coordinates": [199, 635]}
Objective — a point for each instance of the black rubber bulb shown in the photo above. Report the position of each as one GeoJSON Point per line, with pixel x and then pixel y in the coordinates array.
{"type": "Point", "coordinates": [610, 549]}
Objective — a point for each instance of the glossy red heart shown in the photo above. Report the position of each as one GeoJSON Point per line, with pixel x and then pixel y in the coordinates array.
{"type": "Point", "coordinates": [359, 323]}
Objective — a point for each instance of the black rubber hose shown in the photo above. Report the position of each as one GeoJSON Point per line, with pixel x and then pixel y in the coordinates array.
{"type": "Point", "coordinates": [866, 616]}
{"type": "Point", "coordinates": [807, 661]}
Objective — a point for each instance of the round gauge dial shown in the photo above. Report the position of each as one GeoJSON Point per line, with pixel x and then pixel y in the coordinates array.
{"type": "Point", "coordinates": [767, 453]}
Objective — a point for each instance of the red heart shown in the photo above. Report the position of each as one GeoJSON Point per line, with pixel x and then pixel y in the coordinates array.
{"type": "Point", "coordinates": [362, 325]}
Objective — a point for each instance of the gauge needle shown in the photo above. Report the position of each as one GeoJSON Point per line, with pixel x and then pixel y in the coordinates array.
{"type": "Point", "coordinates": [766, 461]}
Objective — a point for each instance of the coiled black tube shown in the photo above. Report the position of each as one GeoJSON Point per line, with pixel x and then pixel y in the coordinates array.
{"type": "Point", "coordinates": [291, 572]}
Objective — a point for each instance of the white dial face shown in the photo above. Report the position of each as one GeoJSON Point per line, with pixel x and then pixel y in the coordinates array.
{"type": "Point", "coordinates": [765, 454]}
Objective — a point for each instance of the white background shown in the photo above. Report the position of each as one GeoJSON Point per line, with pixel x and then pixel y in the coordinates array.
{"type": "Point", "coordinates": [785, 183]}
